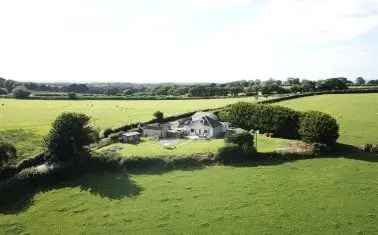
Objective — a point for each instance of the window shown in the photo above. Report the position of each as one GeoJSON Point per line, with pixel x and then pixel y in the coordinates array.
{"type": "Point", "coordinates": [192, 130]}
{"type": "Point", "coordinates": [205, 131]}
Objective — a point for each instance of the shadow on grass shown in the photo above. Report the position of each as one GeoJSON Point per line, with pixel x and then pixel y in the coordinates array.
{"type": "Point", "coordinates": [110, 185]}
{"type": "Point", "coordinates": [116, 184]}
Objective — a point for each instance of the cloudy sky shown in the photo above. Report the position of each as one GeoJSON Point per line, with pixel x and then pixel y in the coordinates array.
{"type": "Point", "coordinates": [187, 40]}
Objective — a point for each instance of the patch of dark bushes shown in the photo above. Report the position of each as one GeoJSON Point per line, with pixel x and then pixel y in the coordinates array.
{"type": "Point", "coordinates": [282, 122]}
{"type": "Point", "coordinates": [312, 126]}
{"type": "Point", "coordinates": [318, 127]}
{"type": "Point", "coordinates": [10, 170]}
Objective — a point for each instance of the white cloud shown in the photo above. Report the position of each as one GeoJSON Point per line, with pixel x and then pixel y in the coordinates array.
{"type": "Point", "coordinates": [183, 41]}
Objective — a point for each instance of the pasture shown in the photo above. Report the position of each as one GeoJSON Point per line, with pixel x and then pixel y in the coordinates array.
{"type": "Point", "coordinates": [357, 114]}
{"type": "Point", "coordinates": [315, 196]}
{"type": "Point", "coordinates": [25, 122]}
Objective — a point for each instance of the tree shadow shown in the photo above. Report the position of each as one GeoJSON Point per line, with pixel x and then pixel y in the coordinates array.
{"type": "Point", "coordinates": [111, 185]}
{"type": "Point", "coordinates": [112, 180]}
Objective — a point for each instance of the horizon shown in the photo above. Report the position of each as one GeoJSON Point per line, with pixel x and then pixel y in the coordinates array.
{"type": "Point", "coordinates": [193, 41]}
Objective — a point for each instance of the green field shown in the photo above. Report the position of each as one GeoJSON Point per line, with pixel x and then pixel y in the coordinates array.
{"type": "Point", "coordinates": [333, 195]}
{"type": "Point", "coordinates": [153, 148]}
{"type": "Point", "coordinates": [317, 196]}
{"type": "Point", "coordinates": [30, 120]}
{"type": "Point", "coordinates": [357, 114]}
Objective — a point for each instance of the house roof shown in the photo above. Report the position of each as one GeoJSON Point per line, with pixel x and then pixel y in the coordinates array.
{"type": "Point", "coordinates": [200, 115]}
{"type": "Point", "coordinates": [212, 122]}
{"type": "Point", "coordinates": [131, 133]}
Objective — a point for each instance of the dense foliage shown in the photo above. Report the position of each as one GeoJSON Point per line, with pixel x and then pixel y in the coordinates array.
{"type": "Point", "coordinates": [318, 127]}
{"type": "Point", "coordinates": [69, 136]}
{"type": "Point", "coordinates": [159, 116]}
{"type": "Point", "coordinates": [21, 92]}
{"type": "Point", "coordinates": [244, 140]}
{"type": "Point", "coordinates": [7, 152]}
{"type": "Point", "coordinates": [280, 121]}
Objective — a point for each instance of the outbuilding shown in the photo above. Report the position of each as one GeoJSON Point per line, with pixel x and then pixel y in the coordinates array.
{"type": "Point", "coordinates": [131, 137]}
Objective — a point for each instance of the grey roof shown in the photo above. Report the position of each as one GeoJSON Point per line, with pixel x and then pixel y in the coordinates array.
{"type": "Point", "coordinates": [212, 122]}
{"type": "Point", "coordinates": [131, 133]}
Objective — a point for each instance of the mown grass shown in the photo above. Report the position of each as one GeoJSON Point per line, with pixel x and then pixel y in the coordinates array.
{"type": "Point", "coordinates": [36, 116]}
{"type": "Point", "coordinates": [153, 148]}
{"type": "Point", "coordinates": [357, 114]}
{"type": "Point", "coordinates": [317, 196]}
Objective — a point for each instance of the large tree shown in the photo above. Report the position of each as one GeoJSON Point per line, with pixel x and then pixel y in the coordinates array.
{"type": "Point", "coordinates": [69, 136]}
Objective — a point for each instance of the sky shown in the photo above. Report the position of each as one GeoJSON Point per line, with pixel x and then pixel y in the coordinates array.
{"type": "Point", "coordinates": [152, 41]}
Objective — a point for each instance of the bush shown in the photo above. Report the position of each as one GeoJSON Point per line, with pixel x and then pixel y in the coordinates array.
{"type": "Point", "coordinates": [281, 121]}
{"type": "Point", "coordinates": [244, 140]}
{"type": "Point", "coordinates": [68, 137]}
{"type": "Point", "coordinates": [318, 127]}
{"type": "Point", "coordinates": [72, 96]}
{"type": "Point", "coordinates": [20, 92]}
{"type": "Point", "coordinates": [7, 152]}
{"type": "Point", "coordinates": [3, 91]}
{"type": "Point", "coordinates": [159, 116]}
{"type": "Point", "coordinates": [107, 132]}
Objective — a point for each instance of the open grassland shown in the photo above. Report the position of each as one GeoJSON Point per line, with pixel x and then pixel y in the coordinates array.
{"type": "Point", "coordinates": [357, 114]}
{"type": "Point", "coordinates": [31, 119]}
{"type": "Point", "coordinates": [184, 147]}
{"type": "Point", "coordinates": [317, 196]}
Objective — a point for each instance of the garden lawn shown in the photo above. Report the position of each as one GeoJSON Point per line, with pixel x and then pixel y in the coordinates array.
{"type": "Point", "coordinates": [31, 119]}
{"type": "Point", "coordinates": [185, 147]}
{"type": "Point", "coordinates": [357, 114]}
{"type": "Point", "coordinates": [316, 196]}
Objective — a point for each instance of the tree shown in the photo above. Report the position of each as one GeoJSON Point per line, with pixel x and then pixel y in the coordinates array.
{"type": "Point", "coordinates": [72, 95]}
{"type": "Point", "coordinates": [7, 152]}
{"type": "Point", "coordinates": [20, 92]}
{"type": "Point", "coordinates": [318, 127]}
{"type": "Point", "coordinates": [244, 140]}
{"type": "Point", "coordinates": [159, 116]}
{"type": "Point", "coordinates": [69, 136]}
{"type": "Point", "coordinates": [360, 81]}
{"type": "Point", "coordinates": [3, 91]}
{"type": "Point", "coordinates": [333, 84]}
{"type": "Point", "coordinates": [373, 82]}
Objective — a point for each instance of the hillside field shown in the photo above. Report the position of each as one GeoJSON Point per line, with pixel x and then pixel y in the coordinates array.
{"type": "Point", "coordinates": [357, 114]}
{"type": "Point", "coordinates": [315, 196]}
{"type": "Point", "coordinates": [25, 122]}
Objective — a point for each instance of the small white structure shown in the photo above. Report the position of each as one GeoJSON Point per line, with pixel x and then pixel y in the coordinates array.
{"type": "Point", "coordinates": [201, 124]}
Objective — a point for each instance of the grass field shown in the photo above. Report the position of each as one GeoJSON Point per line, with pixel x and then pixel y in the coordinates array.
{"type": "Point", "coordinates": [357, 114]}
{"type": "Point", "coordinates": [31, 119]}
{"type": "Point", "coordinates": [151, 148]}
{"type": "Point", "coordinates": [317, 196]}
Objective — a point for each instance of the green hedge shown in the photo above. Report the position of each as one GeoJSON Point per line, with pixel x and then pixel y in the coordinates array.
{"type": "Point", "coordinates": [318, 127]}
{"type": "Point", "coordinates": [281, 121]}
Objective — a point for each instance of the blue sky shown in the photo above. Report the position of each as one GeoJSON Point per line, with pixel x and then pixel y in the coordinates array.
{"type": "Point", "coordinates": [187, 40]}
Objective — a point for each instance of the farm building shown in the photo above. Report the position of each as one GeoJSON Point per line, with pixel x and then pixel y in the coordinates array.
{"type": "Point", "coordinates": [155, 130]}
{"type": "Point", "coordinates": [132, 137]}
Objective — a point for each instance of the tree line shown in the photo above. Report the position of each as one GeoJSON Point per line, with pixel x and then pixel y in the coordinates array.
{"type": "Point", "coordinates": [235, 88]}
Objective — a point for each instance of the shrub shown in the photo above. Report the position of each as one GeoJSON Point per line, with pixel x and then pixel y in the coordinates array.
{"type": "Point", "coordinates": [107, 132]}
{"type": "Point", "coordinates": [7, 152]}
{"type": "Point", "coordinates": [318, 127]}
{"type": "Point", "coordinates": [3, 91]}
{"type": "Point", "coordinates": [281, 121]}
{"type": "Point", "coordinates": [159, 116]}
{"type": "Point", "coordinates": [68, 137]}
{"type": "Point", "coordinates": [244, 140]}
{"type": "Point", "coordinates": [20, 92]}
{"type": "Point", "coordinates": [72, 95]}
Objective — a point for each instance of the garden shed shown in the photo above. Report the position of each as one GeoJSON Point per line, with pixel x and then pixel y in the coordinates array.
{"type": "Point", "coordinates": [131, 137]}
